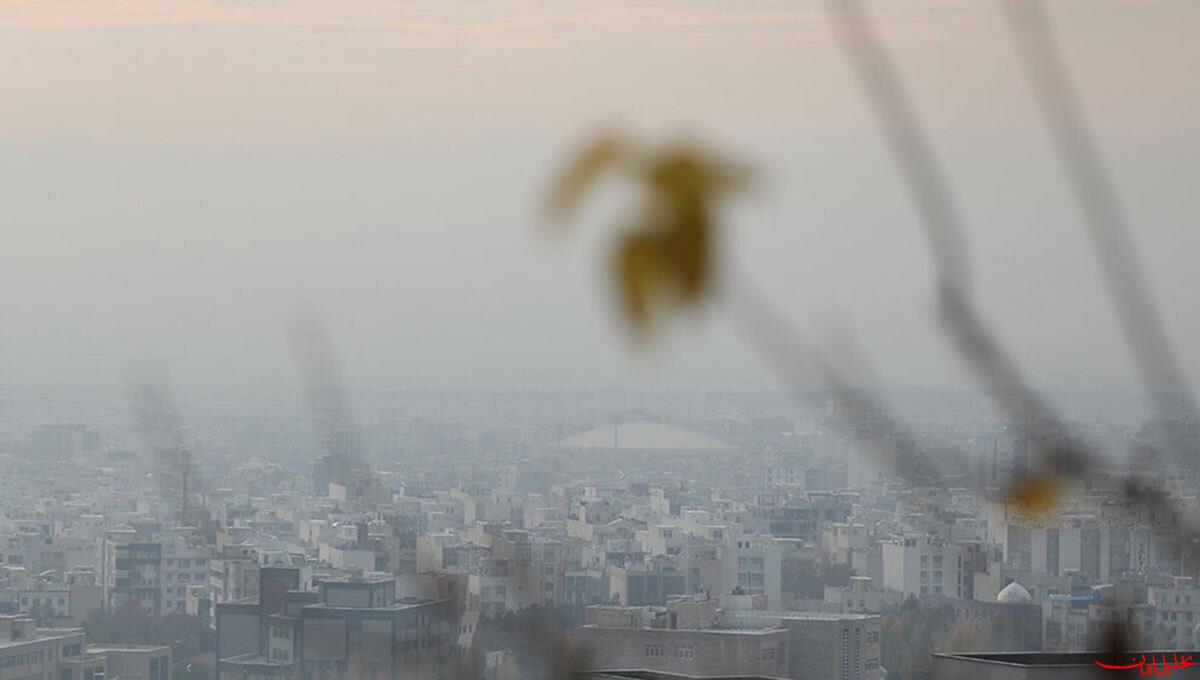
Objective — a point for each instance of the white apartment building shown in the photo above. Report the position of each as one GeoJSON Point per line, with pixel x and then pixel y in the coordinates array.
{"type": "Point", "coordinates": [753, 566]}
{"type": "Point", "coordinates": [923, 565]}
{"type": "Point", "coordinates": [183, 565]}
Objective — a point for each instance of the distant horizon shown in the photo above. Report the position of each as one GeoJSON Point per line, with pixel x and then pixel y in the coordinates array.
{"type": "Point", "coordinates": [1127, 406]}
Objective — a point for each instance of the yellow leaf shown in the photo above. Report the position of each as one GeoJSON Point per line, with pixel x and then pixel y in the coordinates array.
{"type": "Point", "coordinates": [638, 276]}
{"type": "Point", "coordinates": [663, 262]}
{"type": "Point", "coordinates": [1038, 497]}
{"type": "Point", "coordinates": [581, 174]}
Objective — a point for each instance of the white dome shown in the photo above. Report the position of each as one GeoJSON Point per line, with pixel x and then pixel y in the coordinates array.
{"type": "Point", "coordinates": [1014, 593]}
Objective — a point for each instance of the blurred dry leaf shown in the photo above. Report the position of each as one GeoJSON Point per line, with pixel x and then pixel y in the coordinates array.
{"type": "Point", "coordinates": [600, 155]}
{"type": "Point", "coordinates": [1038, 497]}
{"type": "Point", "coordinates": [663, 263]}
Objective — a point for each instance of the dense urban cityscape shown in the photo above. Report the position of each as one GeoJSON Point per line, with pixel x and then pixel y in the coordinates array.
{"type": "Point", "coordinates": [444, 535]}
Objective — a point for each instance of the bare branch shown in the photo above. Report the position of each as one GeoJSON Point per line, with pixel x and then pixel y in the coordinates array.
{"type": "Point", "coordinates": [926, 182]}
{"type": "Point", "coordinates": [1095, 190]}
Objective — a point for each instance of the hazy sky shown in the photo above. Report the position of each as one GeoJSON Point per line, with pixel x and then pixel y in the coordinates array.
{"type": "Point", "coordinates": [178, 175]}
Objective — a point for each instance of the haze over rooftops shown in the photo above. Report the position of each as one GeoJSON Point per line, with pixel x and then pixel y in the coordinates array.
{"type": "Point", "coordinates": [645, 435]}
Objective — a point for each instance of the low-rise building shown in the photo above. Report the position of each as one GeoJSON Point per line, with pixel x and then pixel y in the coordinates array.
{"type": "Point", "coordinates": [693, 636]}
{"type": "Point", "coordinates": [31, 653]}
{"type": "Point", "coordinates": [345, 629]}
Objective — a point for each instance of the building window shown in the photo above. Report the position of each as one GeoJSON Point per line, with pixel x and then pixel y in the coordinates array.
{"type": "Point", "coordinates": [857, 650]}
{"type": "Point", "coordinates": [845, 654]}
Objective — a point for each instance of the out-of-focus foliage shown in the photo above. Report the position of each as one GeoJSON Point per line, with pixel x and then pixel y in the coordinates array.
{"type": "Point", "coordinates": [910, 633]}
{"type": "Point", "coordinates": [1095, 189]}
{"type": "Point", "coordinates": [964, 636]}
{"type": "Point", "coordinates": [808, 579]}
{"type": "Point", "coordinates": [663, 261]}
{"type": "Point", "coordinates": [537, 641]}
{"type": "Point", "coordinates": [188, 636]}
{"type": "Point", "coordinates": [907, 637]}
{"type": "Point", "coordinates": [972, 338]}
{"type": "Point", "coordinates": [1037, 496]}
{"type": "Point", "coordinates": [584, 170]}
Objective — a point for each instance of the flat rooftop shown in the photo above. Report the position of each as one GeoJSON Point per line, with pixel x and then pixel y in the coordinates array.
{"type": "Point", "coordinates": [42, 635]}
{"type": "Point", "coordinates": [398, 605]}
{"type": "Point", "coordinates": [1063, 659]}
{"type": "Point", "coordinates": [661, 675]}
{"type": "Point", "coordinates": [795, 616]}
{"type": "Point", "coordinates": [253, 659]}
{"type": "Point", "coordinates": [765, 630]}
{"type": "Point", "coordinates": [103, 647]}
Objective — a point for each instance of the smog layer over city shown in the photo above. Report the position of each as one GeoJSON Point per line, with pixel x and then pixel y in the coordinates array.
{"type": "Point", "coordinates": [551, 339]}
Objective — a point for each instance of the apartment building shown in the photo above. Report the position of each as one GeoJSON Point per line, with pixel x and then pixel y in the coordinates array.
{"type": "Point", "coordinates": [184, 565]}
{"type": "Point", "coordinates": [924, 565]}
{"type": "Point", "coordinates": [233, 573]}
{"type": "Point", "coordinates": [753, 566]}
{"type": "Point", "coordinates": [345, 629]}
{"type": "Point", "coordinates": [31, 653]}
{"type": "Point", "coordinates": [696, 636]}
{"type": "Point", "coordinates": [131, 572]}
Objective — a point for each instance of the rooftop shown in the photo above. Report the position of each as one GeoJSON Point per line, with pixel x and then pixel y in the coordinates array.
{"type": "Point", "coordinates": [41, 635]}
{"type": "Point", "coordinates": [661, 675]}
{"type": "Point", "coordinates": [1063, 659]}
{"type": "Point", "coordinates": [796, 616]}
{"type": "Point", "coordinates": [768, 630]}
{"type": "Point", "coordinates": [251, 660]}
{"type": "Point", "coordinates": [645, 435]}
{"type": "Point", "coordinates": [398, 605]}
{"type": "Point", "coordinates": [103, 647]}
